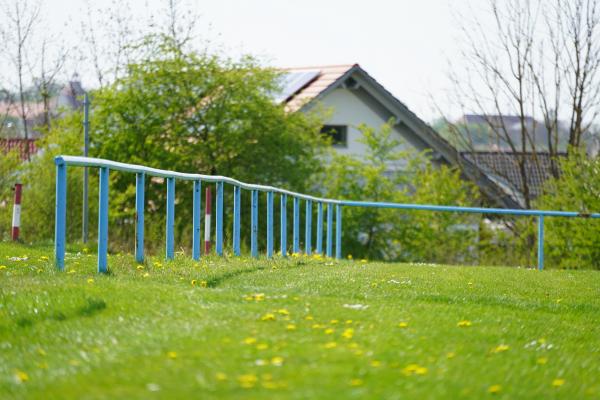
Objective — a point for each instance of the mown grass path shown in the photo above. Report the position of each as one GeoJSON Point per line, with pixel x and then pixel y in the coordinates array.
{"type": "Point", "coordinates": [297, 328]}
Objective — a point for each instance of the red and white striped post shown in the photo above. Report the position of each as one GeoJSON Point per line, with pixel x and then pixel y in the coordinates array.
{"type": "Point", "coordinates": [207, 222]}
{"type": "Point", "coordinates": [16, 221]}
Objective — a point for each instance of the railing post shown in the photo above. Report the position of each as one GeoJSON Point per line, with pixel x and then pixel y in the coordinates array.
{"type": "Point", "coordinates": [196, 216]}
{"type": "Point", "coordinates": [541, 242]}
{"type": "Point", "coordinates": [284, 225]}
{"type": "Point", "coordinates": [103, 221]}
{"type": "Point", "coordinates": [254, 225]}
{"type": "Point", "coordinates": [219, 227]}
{"type": "Point", "coordinates": [329, 229]}
{"type": "Point", "coordinates": [296, 230]}
{"type": "Point", "coordinates": [319, 248]}
{"type": "Point", "coordinates": [60, 214]}
{"type": "Point", "coordinates": [139, 216]}
{"type": "Point", "coordinates": [338, 232]}
{"type": "Point", "coordinates": [236, 219]}
{"type": "Point", "coordinates": [269, 224]}
{"type": "Point", "coordinates": [308, 228]}
{"type": "Point", "coordinates": [170, 236]}
{"type": "Point", "coordinates": [207, 221]}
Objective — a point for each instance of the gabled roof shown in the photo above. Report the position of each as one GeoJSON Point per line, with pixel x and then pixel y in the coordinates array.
{"type": "Point", "coordinates": [504, 168]}
{"type": "Point", "coordinates": [352, 75]}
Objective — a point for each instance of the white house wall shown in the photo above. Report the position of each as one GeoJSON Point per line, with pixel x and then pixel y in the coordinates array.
{"type": "Point", "coordinates": [346, 108]}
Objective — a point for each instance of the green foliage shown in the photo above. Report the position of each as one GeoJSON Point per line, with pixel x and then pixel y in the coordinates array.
{"type": "Point", "coordinates": [573, 242]}
{"type": "Point", "coordinates": [198, 113]}
{"type": "Point", "coordinates": [393, 172]}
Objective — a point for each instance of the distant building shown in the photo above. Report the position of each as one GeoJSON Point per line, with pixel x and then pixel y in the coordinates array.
{"type": "Point", "coordinates": [12, 132]}
{"type": "Point", "coordinates": [354, 98]}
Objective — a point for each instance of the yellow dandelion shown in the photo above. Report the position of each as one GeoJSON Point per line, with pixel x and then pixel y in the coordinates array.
{"type": "Point", "coordinates": [193, 282]}
{"type": "Point", "coordinates": [41, 352]}
{"type": "Point", "coordinates": [375, 363]}
{"type": "Point", "coordinates": [291, 327]}
{"type": "Point", "coordinates": [277, 361]}
{"type": "Point", "coordinates": [414, 369]}
{"type": "Point", "coordinates": [348, 333]}
{"type": "Point", "coordinates": [262, 346]}
{"type": "Point", "coordinates": [172, 355]}
{"type": "Point", "coordinates": [268, 317]}
{"type": "Point", "coordinates": [2, 267]}
{"type": "Point", "coordinates": [349, 257]}
{"type": "Point", "coordinates": [21, 376]}
{"type": "Point", "coordinates": [450, 354]}
{"type": "Point", "coordinates": [71, 271]}
{"type": "Point", "coordinates": [330, 345]}
{"type": "Point", "coordinates": [90, 280]}
{"type": "Point", "coordinates": [316, 326]}
{"type": "Point", "coordinates": [44, 258]}
{"type": "Point", "coordinates": [353, 345]}
{"type": "Point", "coordinates": [364, 261]}
{"type": "Point", "coordinates": [247, 381]}
{"type": "Point", "coordinates": [146, 275]}
{"type": "Point", "coordinates": [494, 389]}
{"type": "Point", "coordinates": [500, 348]}
{"type": "Point", "coordinates": [348, 322]}
{"type": "Point", "coordinates": [334, 321]}
{"type": "Point", "coordinates": [558, 382]}
{"type": "Point", "coordinates": [203, 284]}
{"type": "Point", "coordinates": [139, 267]}
{"type": "Point", "coordinates": [329, 331]}
{"type": "Point", "coordinates": [464, 323]}
{"type": "Point", "coordinates": [356, 382]}
{"type": "Point", "coordinates": [295, 254]}
{"type": "Point", "coordinates": [220, 376]}
{"type": "Point", "coordinates": [403, 325]}
{"type": "Point", "coordinates": [309, 318]}
{"type": "Point", "coordinates": [250, 340]}
{"type": "Point", "coordinates": [283, 311]}
{"type": "Point", "coordinates": [542, 360]}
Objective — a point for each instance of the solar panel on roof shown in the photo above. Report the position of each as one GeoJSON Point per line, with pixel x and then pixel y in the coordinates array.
{"type": "Point", "coordinates": [292, 82]}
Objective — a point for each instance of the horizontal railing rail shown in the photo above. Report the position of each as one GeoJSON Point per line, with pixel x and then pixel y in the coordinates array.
{"type": "Point", "coordinates": [141, 172]}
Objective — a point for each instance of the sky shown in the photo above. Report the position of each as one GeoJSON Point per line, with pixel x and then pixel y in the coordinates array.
{"type": "Point", "coordinates": [406, 45]}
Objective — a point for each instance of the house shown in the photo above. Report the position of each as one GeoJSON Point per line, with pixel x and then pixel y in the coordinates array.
{"type": "Point", "coordinates": [355, 97]}
{"type": "Point", "coordinates": [12, 136]}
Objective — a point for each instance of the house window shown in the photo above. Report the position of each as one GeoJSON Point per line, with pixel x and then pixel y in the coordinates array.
{"type": "Point", "coordinates": [337, 133]}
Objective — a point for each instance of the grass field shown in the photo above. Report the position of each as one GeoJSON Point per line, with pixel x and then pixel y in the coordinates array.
{"type": "Point", "coordinates": [297, 328]}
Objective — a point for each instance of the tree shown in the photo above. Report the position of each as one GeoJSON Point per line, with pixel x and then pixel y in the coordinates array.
{"type": "Point", "coordinates": [573, 242]}
{"type": "Point", "coordinates": [180, 110]}
{"type": "Point", "coordinates": [538, 61]}
{"type": "Point", "coordinates": [401, 235]}
{"type": "Point", "coordinates": [21, 18]}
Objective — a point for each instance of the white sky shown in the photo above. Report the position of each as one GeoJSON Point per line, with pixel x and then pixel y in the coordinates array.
{"type": "Point", "coordinates": [404, 44]}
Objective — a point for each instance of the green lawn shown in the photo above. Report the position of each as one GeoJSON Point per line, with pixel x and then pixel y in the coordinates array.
{"type": "Point", "coordinates": [297, 328]}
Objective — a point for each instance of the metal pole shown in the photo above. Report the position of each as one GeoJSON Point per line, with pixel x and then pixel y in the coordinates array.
{"type": "Point", "coordinates": [207, 214]}
{"type": "Point", "coordinates": [219, 222]}
{"type": "Point", "coordinates": [170, 228]}
{"type": "Point", "coordinates": [103, 221]}
{"type": "Point", "coordinates": [296, 227]}
{"type": "Point", "coordinates": [319, 249]}
{"type": "Point", "coordinates": [541, 242]}
{"type": "Point", "coordinates": [139, 216]}
{"type": "Point", "coordinates": [86, 146]}
{"type": "Point", "coordinates": [60, 223]}
{"type": "Point", "coordinates": [16, 221]}
{"type": "Point", "coordinates": [308, 229]}
{"type": "Point", "coordinates": [196, 223]}
{"type": "Point", "coordinates": [338, 232]}
{"type": "Point", "coordinates": [329, 243]}
{"type": "Point", "coordinates": [254, 224]}
{"type": "Point", "coordinates": [237, 197]}
{"type": "Point", "coordinates": [269, 224]}
{"type": "Point", "coordinates": [283, 225]}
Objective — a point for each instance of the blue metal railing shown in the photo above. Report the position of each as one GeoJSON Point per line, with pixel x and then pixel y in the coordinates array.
{"type": "Point", "coordinates": [105, 166]}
